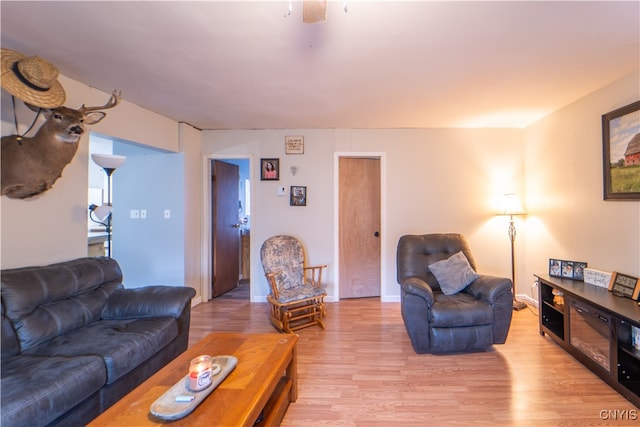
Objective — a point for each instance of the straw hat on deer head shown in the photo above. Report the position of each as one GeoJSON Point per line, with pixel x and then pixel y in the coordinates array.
{"type": "Point", "coordinates": [31, 79]}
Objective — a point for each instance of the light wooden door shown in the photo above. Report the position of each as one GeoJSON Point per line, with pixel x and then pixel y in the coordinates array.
{"type": "Point", "coordinates": [359, 227]}
{"type": "Point", "coordinates": [226, 234]}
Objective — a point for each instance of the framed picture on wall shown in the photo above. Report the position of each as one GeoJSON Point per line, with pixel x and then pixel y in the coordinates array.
{"type": "Point", "coordinates": [298, 196]}
{"type": "Point", "coordinates": [621, 153]}
{"type": "Point", "coordinates": [294, 145]}
{"type": "Point", "coordinates": [269, 169]}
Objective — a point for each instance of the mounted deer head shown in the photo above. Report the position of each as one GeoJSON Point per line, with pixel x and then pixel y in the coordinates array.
{"type": "Point", "coordinates": [30, 166]}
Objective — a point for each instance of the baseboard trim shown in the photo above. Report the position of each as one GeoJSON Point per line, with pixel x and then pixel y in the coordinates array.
{"type": "Point", "coordinates": [527, 299]}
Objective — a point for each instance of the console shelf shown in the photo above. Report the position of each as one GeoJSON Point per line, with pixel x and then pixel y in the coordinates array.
{"type": "Point", "coordinates": [594, 326]}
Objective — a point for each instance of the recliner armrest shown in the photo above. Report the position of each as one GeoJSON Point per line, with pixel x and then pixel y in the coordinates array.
{"type": "Point", "coordinates": [148, 301]}
{"type": "Point", "coordinates": [488, 288]}
{"type": "Point", "coordinates": [417, 286]}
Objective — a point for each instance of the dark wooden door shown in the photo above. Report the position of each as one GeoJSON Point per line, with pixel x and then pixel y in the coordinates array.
{"type": "Point", "coordinates": [359, 222]}
{"type": "Point", "coordinates": [226, 234]}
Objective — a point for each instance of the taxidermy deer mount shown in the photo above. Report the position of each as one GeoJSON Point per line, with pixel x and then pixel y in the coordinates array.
{"type": "Point", "coordinates": [30, 166]}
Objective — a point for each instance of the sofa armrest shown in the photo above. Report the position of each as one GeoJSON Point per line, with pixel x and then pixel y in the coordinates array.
{"type": "Point", "coordinates": [148, 301]}
{"type": "Point", "coordinates": [416, 286]}
{"type": "Point", "coordinates": [497, 292]}
{"type": "Point", "coordinates": [489, 288]}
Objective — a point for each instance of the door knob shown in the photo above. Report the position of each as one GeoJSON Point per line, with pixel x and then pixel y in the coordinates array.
{"type": "Point", "coordinates": [376, 233]}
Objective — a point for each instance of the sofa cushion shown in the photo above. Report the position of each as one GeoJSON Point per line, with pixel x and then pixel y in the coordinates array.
{"type": "Point", "coordinates": [459, 310]}
{"type": "Point", "coordinates": [134, 303]}
{"type": "Point", "coordinates": [123, 344]}
{"type": "Point", "coordinates": [10, 346]}
{"type": "Point", "coordinates": [36, 390]}
{"type": "Point", "coordinates": [44, 302]}
{"type": "Point", "coordinates": [454, 273]}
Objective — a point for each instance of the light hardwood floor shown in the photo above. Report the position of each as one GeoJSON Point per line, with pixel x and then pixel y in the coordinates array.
{"type": "Point", "coordinates": [362, 371]}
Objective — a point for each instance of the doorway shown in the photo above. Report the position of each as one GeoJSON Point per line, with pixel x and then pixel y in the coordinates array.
{"type": "Point", "coordinates": [359, 225]}
{"type": "Point", "coordinates": [230, 228]}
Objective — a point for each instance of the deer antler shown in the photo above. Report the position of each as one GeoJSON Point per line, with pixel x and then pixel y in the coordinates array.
{"type": "Point", "coordinates": [112, 102]}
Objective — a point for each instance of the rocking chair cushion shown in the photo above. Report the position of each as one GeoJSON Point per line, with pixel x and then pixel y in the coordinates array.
{"type": "Point", "coordinates": [299, 293]}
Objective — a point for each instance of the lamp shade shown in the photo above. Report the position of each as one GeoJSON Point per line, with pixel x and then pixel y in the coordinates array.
{"type": "Point", "coordinates": [511, 205]}
{"type": "Point", "coordinates": [108, 161]}
{"type": "Point", "coordinates": [101, 212]}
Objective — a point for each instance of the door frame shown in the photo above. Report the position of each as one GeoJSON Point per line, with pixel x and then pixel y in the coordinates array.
{"type": "Point", "coordinates": [206, 250]}
{"type": "Point", "coordinates": [336, 216]}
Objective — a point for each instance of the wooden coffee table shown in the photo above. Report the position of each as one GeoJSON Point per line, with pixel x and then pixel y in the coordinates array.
{"type": "Point", "coordinates": [260, 387]}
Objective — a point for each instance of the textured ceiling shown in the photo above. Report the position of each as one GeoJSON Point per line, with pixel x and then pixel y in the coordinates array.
{"type": "Point", "coordinates": [248, 65]}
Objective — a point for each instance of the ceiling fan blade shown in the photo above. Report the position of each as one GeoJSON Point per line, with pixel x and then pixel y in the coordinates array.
{"type": "Point", "coordinates": [314, 11]}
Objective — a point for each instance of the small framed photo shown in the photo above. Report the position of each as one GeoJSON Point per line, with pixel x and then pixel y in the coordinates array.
{"type": "Point", "coordinates": [269, 169]}
{"type": "Point", "coordinates": [298, 196]}
{"type": "Point", "coordinates": [624, 286]}
{"type": "Point", "coordinates": [555, 267]}
{"type": "Point", "coordinates": [294, 144]}
{"type": "Point", "coordinates": [578, 270]}
{"type": "Point", "coordinates": [567, 269]}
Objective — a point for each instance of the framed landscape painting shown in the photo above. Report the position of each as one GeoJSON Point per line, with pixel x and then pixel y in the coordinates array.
{"type": "Point", "coordinates": [621, 153]}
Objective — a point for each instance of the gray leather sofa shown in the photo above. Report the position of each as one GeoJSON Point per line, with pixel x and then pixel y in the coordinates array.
{"type": "Point", "coordinates": [472, 319]}
{"type": "Point", "coordinates": [74, 340]}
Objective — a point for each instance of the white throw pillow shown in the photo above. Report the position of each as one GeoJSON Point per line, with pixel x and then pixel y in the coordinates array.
{"type": "Point", "coordinates": [453, 274]}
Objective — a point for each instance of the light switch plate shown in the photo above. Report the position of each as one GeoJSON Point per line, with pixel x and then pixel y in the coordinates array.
{"type": "Point", "coordinates": [282, 191]}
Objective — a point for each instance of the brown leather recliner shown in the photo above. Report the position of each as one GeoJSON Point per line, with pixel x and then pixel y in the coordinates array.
{"type": "Point", "coordinates": [472, 319]}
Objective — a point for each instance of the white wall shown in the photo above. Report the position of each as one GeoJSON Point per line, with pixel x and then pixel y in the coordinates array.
{"type": "Point", "coordinates": [435, 180]}
{"type": "Point", "coordinates": [150, 251]}
{"type": "Point", "coordinates": [568, 218]}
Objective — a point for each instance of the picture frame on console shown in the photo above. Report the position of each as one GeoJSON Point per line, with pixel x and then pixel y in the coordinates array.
{"type": "Point", "coordinates": [621, 153]}
{"type": "Point", "coordinates": [625, 286]}
{"type": "Point", "coordinates": [567, 269]}
{"type": "Point", "coordinates": [555, 269]}
{"type": "Point", "coordinates": [578, 270]}
{"type": "Point", "coordinates": [564, 269]}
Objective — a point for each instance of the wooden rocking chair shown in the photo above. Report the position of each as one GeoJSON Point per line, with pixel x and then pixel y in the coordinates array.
{"type": "Point", "coordinates": [297, 298]}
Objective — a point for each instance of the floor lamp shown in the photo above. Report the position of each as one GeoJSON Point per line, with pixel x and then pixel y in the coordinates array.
{"type": "Point", "coordinates": [109, 163]}
{"type": "Point", "coordinates": [512, 206]}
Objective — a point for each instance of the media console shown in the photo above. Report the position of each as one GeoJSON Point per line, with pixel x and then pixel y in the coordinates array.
{"type": "Point", "coordinates": [594, 326]}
